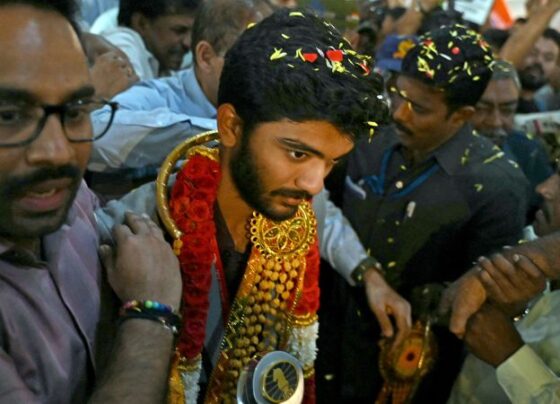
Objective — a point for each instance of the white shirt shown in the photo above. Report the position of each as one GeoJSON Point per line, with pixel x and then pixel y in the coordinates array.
{"type": "Point", "coordinates": [130, 42]}
{"type": "Point", "coordinates": [529, 375]}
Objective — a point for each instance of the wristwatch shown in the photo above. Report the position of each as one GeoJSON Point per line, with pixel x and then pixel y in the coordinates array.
{"type": "Point", "coordinates": [367, 263]}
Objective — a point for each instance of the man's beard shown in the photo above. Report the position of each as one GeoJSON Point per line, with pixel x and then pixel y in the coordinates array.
{"type": "Point", "coordinates": [248, 180]}
{"type": "Point", "coordinates": [532, 77]}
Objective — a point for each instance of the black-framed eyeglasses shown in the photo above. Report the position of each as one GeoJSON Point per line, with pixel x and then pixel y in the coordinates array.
{"type": "Point", "coordinates": [22, 123]}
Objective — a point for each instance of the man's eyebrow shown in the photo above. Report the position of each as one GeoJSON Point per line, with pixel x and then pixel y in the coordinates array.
{"type": "Point", "coordinates": [300, 146]}
{"type": "Point", "coordinates": [404, 96]}
{"type": "Point", "coordinates": [8, 94]}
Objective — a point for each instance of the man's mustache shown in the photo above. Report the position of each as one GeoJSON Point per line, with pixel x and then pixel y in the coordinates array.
{"type": "Point", "coordinates": [403, 128]}
{"type": "Point", "coordinates": [14, 186]}
{"type": "Point", "coordinates": [534, 66]}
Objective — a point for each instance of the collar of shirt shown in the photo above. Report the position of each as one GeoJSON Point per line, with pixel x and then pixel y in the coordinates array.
{"type": "Point", "coordinates": [194, 93]}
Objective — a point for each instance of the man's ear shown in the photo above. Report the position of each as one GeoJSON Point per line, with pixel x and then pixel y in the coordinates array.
{"type": "Point", "coordinates": [462, 115]}
{"type": "Point", "coordinates": [230, 126]}
{"type": "Point", "coordinates": [204, 54]}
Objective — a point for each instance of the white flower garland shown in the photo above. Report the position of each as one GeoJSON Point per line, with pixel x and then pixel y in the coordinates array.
{"type": "Point", "coordinates": [303, 343]}
{"type": "Point", "coordinates": [190, 383]}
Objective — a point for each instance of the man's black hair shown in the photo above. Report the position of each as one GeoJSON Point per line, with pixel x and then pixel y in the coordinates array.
{"type": "Point", "coordinates": [267, 78]}
{"type": "Point", "coordinates": [552, 34]}
{"type": "Point", "coordinates": [454, 59]}
{"type": "Point", "coordinates": [153, 9]}
{"type": "Point", "coordinates": [67, 8]}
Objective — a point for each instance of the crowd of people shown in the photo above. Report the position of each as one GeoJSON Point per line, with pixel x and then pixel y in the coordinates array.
{"type": "Point", "coordinates": [265, 201]}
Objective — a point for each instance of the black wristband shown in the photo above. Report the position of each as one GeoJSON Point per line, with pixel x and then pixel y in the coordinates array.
{"type": "Point", "coordinates": [170, 321]}
{"type": "Point", "coordinates": [367, 263]}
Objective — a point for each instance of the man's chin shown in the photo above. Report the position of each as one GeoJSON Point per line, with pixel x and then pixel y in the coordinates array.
{"type": "Point", "coordinates": [281, 213]}
{"type": "Point", "coordinates": [35, 225]}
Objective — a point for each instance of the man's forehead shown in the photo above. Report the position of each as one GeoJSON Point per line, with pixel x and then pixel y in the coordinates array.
{"type": "Point", "coordinates": [41, 53]}
{"type": "Point", "coordinates": [546, 45]}
{"type": "Point", "coordinates": [501, 89]}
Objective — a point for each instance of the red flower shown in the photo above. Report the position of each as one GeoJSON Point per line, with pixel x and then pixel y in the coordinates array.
{"type": "Point", "coordinates": [196, 166]}
{"type": "Point", "coordinates": [335, 55]}
{"type": "Point", "coordinates": [310, 57]}
{"type": "Point", "coordinates": [205, 184]}
{"type": "Point", "coordinates": [199, 211]}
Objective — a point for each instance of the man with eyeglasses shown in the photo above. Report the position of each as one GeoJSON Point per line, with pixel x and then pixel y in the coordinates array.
{"type": "Point", "coordinates": [52, 294]}
{"type": "Point", "coordinates": [493, 118]}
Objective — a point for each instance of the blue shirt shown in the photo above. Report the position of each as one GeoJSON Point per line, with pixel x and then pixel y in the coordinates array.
{"type": "Point", "coordinates": [154, 116]}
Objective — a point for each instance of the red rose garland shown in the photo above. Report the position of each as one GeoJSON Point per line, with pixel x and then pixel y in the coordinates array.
{"type": "Point", "coordinates": [192, 207]}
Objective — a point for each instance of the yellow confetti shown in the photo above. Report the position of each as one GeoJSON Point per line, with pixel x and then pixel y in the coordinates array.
{"type": "Point", "coordinates": [478, 187]}
{"type": "Point", "coordinates": [296, 14]}
{"type": "Point", "coordinates": [285, 36]}
{"type": "Point", "coordinates": [251, 25]}
{"type": "Point", "coordinates": [299, 54]}
{"type": "Point", "coordinates": [391, 264]}
{"type": "Point", "coordinates": [278, 54]}
{"type": "Point", "coordinates": [494, 157]}
{"type": "Point", "coordinates": [372, 123]}
{"type": "Point", "coordinates": [390, 240]}
{"type": "Point", "coordinates": [338, 67]}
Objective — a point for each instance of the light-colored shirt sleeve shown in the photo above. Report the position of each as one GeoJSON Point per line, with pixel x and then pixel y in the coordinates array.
{"type": "Point", "coordinates": [339, 243]}
{"type": "Point", "coordinates": [140, 200]}
{"type": "Point", "coordinates": [153, 117]}
{"type": "Point", "coordinates": [525, 379]}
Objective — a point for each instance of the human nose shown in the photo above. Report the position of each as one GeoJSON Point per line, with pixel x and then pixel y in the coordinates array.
{"type": "Point", "coordinates": [401, 112]}
{"type": "Point", "coordinates": [186, 41]}
{"type": "Point", "coordinates": [311, 179]}
{"type": "Point", "coordinates": [495, 119]}
{"type": "Point", "coordinates": [546, 188]}
{"type": "Point", "coordinates": [51, 147]}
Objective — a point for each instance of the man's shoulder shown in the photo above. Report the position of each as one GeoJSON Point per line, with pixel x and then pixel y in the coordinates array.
{"type": "Point", "coordinates": [489, 168]}
{"type": "Point", "coordinates": [122, 35]}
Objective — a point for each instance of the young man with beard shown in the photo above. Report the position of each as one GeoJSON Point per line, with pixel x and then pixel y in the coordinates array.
{"type": "Point", "coordinates": [493, 118]}
{"type": "Point", "coordinates": [430, 196]}
{"type": "Point", "coordinates": [533, 49]}
{"type": "Point", "coordinates": [537, 69]}
{"type": "Point", "coordinates": [51, 300]}
{"type": "Point", "coordinates": [293, 97]}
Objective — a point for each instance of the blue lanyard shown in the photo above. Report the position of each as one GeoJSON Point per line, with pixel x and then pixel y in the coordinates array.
{"type": "Point", "coordinates": [377, 183]}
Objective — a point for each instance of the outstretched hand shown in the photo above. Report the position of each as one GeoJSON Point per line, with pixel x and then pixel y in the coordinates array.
{"type": "Point", "coordinates": [142, 265]}
{"type": "Point", "coordinates": [386, 303]}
